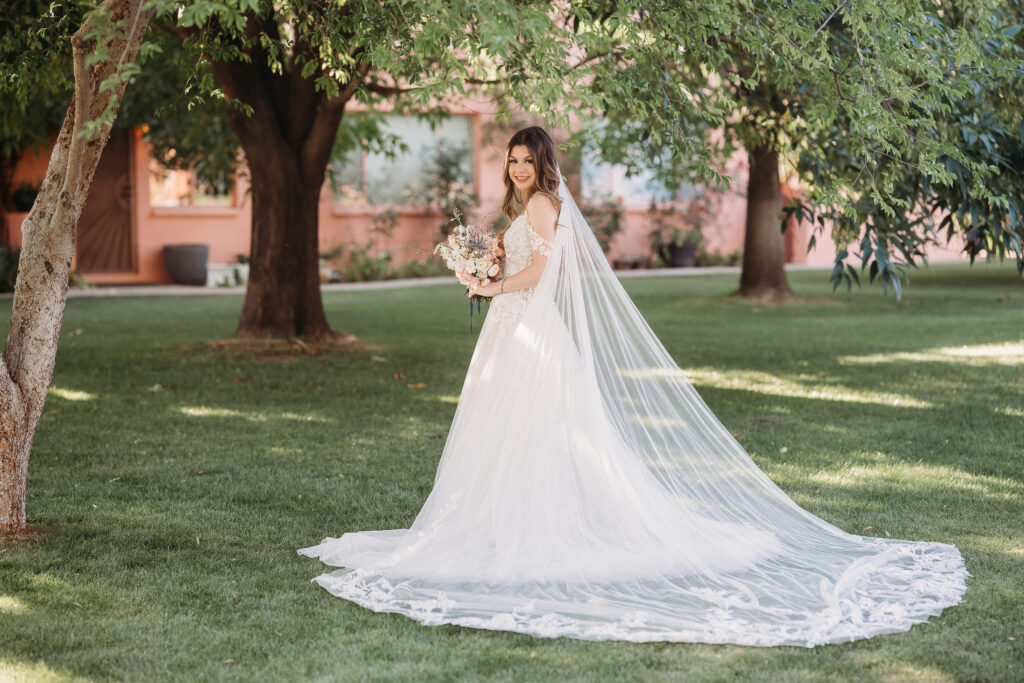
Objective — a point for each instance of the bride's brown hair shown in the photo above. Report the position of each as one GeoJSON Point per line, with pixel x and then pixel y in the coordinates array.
{"type": "Point", "coordinates": [537, 140]}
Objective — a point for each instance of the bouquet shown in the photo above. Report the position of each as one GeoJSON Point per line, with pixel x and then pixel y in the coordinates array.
{"type": "Point", "coordinates": [475, 256]}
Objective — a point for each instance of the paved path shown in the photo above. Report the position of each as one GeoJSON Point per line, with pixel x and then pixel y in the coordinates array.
{"type": "Point", "coordinates": [185, 290]}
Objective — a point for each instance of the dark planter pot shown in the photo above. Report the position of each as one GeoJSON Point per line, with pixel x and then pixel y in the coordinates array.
{"type": "Point", "coordinates": [186, 263]}
{"type": "Point", "coordinates": [681, 256]}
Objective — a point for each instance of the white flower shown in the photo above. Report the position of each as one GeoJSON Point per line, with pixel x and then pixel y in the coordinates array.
{"type": "Point", "coordinates": [493, 270]}
{"type": "Point", "coordinates": [486, 281]}
{"type": "Point", "coordinates": [481, 266]}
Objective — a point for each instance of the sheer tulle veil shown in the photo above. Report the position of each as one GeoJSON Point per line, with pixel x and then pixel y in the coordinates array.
{"type": "Point", "coordinates": [623, 508]}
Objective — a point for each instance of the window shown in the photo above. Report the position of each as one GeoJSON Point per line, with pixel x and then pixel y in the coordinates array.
{"type": "Point", "coordinates": [602, 181]}
{"type": "Point", "coordinates": [181, 187]}
{"type": "Point", "coordinates": [375, 178]}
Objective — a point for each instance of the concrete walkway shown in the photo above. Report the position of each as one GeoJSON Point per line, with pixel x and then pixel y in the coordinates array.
{"type": "Point", "coordinates": [185, 290]}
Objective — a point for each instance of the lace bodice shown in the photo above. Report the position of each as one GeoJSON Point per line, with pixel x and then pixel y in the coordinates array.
{"type": "Point", "coordinates": [521, 241]}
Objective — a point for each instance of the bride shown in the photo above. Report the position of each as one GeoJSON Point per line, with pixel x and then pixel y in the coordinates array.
{"type": "Point", "coordinates": [585, 489]}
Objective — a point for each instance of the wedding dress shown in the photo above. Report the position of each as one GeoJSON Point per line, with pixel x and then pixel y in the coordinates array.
{"type": "Point", "coordinates": [585, 490]}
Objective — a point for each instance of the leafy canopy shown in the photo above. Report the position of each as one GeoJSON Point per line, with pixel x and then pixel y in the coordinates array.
{"type": "Point", "coordinates": [858, 97]}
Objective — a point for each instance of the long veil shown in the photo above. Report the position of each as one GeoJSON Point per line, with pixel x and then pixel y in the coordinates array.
{"type": "Point", "coordinates": [634, 513]}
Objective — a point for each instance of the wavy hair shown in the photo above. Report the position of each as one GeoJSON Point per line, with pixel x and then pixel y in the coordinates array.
{"type": "Point", "coordinates": [541, 146]}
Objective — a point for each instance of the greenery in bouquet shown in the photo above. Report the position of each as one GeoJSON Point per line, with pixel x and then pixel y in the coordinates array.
{"type": "Point", "coordinates": [474, 255]}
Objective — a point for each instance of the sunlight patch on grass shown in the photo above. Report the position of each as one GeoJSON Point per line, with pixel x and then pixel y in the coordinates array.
{"type": "Point", "coordinates": [281, 450]}
{"type": "Point", "coordinates": [11, 605]}
{"type": "Point", "coordinates": [210, 412]}
{"type": "Point", "coordinates": [31, 671]}
{"type": "Point", "coordinates": [202, 411]}
{"type": "Point", "coordinates": [303, 418]}
{"type": "Point", "coordinates": [904, 671]}
{"type": "Point", "coordinates": [1010, 353]}
{"type": "Point", "coordinates": [767, 383]}
{"type": "Point", "coordinates": [834, 429]}
{"type": "Point", "coordinates": [919, 476]}
{"type": "Point", "coordinates": [72, 395]}
{"type": "Point", "coordinates": [1010, 412]}
{"type": "Point", "coordinates": [999, 544]}
{"type": "Point", "coordinates": [445, 398]}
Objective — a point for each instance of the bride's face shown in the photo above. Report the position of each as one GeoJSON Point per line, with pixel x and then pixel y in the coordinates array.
{"type": "Point", "coordinates": [521, 167]}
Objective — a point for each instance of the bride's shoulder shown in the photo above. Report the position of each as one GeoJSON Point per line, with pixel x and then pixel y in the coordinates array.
{"type": "Point", "coordinates": [542, 214]}
{"type": "Point", "coordinates": [540, 201]}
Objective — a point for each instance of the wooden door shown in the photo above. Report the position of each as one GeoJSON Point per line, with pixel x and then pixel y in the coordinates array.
{"type": "Point", "coordinates": [106, 236]}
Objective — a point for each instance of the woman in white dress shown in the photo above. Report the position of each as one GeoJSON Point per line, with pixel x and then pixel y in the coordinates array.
{"type": "Point", "coordinates": [585, 490]}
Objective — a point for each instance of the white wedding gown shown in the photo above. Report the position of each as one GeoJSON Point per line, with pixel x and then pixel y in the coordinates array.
{"type": "Point", "coordinates": [586, 491]}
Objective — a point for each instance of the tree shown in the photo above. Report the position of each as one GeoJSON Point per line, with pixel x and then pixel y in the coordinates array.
{"type": "Point", "coordinates": [289, 69]}
{"type": "Point", "coordinates": [103, 54]}
{"type": "Point", "coordinates": [771, 75]}
{"type": "Point", "coordinates": [802, 84]}
{"type": "Point", "coordinates": [984, 122]}
{"type": "Point", "coordinates": [775, 76]}
{"type": "Point", "coordinates": [29, 119]}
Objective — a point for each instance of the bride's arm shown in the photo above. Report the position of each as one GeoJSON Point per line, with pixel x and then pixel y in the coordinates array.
{"type": "Point", "coordinates": [542, 216]}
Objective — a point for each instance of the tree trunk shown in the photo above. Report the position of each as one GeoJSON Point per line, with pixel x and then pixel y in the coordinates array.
{"type": "Point", "coordinates": [764, 249]}
{"type": "Point", "coordinates": [48, 234]}
{"type": "Point", "coordinates": [283, 294]}
{"type": "Point", "coordinates": [287, 141]}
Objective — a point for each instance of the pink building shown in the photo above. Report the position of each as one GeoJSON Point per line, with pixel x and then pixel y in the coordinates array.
{"type": "Point", "coordinates": [135, 208]}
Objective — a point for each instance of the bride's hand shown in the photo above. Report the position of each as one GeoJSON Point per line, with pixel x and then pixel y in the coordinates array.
{"type": "Point", "coordinates": [484, 290]}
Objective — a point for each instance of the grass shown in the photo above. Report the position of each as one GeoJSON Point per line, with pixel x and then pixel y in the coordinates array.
{"type": "Point", "coordinates": [174, 481]}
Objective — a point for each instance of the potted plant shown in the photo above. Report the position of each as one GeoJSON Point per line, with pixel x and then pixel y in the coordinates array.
{"type": "Point", "coordinates": [679, 249]}
{"type": "Point", "coordinates": [233, 274]}
{"type": "Point", "coordinates": [241, 269]}
{"type": "Point", "coordinates": [186, 263]}
{"type": "Point", "coordinates": [605, 219]}
{"type": "Point", "coordinates": [677, 234]}
{"type": "Point", "coordinates": [447, 184]}
{"type": "Point", "coordinates": [329, 264]}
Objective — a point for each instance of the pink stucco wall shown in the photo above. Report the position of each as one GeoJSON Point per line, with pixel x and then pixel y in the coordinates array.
{"type": "Point", "coordinates": [226, 229]}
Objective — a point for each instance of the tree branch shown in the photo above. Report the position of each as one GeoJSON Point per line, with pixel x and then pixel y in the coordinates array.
{"type": "Point", "coordinates": [81, 102]}
{"type": "Point", "coordinates": [276, 84]}
{"type": "Point", "coordinates": [839, 89]}
{"type": "Point", "coordinates": [247, 82]}
{"type": "Point", "coordinates": [381, 89]}
{"type": "Point", "coordinates": [825, 23]}
{"type": "Point", "coordinates": [302, 97]}
{"type": "Point", "coordinates": [242, 81]}
{"type": "Point", "coordinates": [49, 229]}
{"type": "Point", "coordinates": [614, 52]}
{"type": "Point", "coordinates": [316, 150]}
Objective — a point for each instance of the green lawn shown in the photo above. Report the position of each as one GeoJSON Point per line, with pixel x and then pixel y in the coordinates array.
{"type": "Point", "coordinates": [175, 482]}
